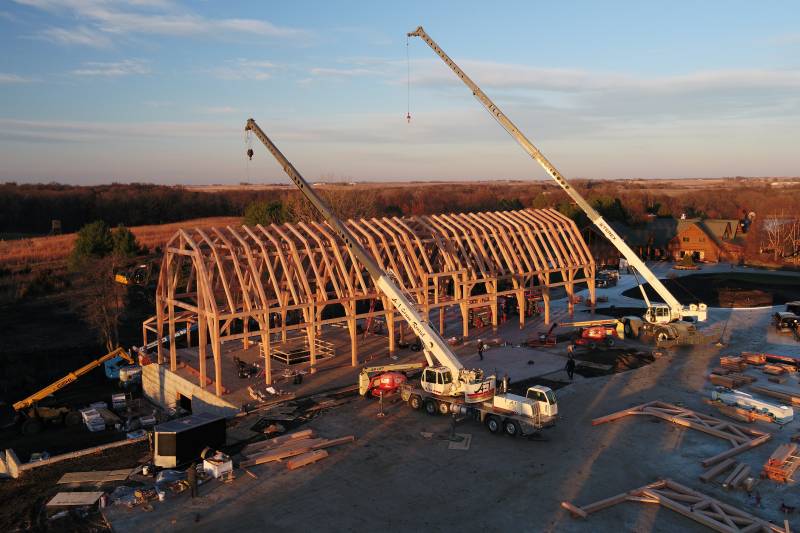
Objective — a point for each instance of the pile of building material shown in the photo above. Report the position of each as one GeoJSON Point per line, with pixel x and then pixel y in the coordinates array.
{"type": "Point", "coordinates": [739, 413]}
{"type": "Point", "coordinates": [119, 401]}
{"type": "Point", "coordinates": [734, 363]}
{"type": "Point", "coordinates": [782, 464]}
{"type": "Point", "coordinates": [786, 396]}
{"type": "Point", "coordinates": [739, 476]}
{"type": "Point", "coordinates": [302, 447]}
{"type": "Point", "coordinates": [752, 358]}
{"type": "Point", "coordinates": [774, 370]}
{"type": "Point", "coordinates": [694, 505]}
{"type": "Point", "coordinates": [731, 381]}
{"type": "Point", "coordinates": [93, 420]}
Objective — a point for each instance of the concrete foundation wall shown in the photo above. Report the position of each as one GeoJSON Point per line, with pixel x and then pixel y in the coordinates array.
{"type": "Point", "coordinates": [163, 387]}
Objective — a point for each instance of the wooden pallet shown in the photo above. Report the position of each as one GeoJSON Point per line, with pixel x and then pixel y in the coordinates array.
{"type": "Point", "coordinates": [692, 504]}
{"type": "Point", "coordinates": [733, 363]}
{"type": "Point", "coordinates": [742, 437]}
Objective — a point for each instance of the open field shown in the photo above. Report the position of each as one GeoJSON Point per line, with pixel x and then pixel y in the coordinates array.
{"type": "Point", "coordinates": [51, 249]}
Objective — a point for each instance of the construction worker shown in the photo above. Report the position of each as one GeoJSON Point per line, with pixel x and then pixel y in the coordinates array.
{"type": "Point", "coordinates": [570, 367]}
{"type": "Point", "coordinates": [480, 349]}
{"type": "Point", "coordinates": [570, 349]}
{"type": "Point", "coordinates": [191, 476]}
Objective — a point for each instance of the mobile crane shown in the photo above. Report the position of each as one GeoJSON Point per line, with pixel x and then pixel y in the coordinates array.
{"type": "Point", "coordinates": [33, 416]}
{"type": "Point", "coordinates": [446, 386]}
{"type": "Point", "coordinates": [665, 321]}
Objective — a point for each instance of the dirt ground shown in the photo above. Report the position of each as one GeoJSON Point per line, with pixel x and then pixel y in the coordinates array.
{"type": "Point", "coordinates": [33, 490]}
{"type": "Point", "coordinates": [396, 478]}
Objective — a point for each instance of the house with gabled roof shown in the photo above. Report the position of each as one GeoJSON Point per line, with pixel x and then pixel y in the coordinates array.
{"type": "Point", "coordinates": [710, 240]}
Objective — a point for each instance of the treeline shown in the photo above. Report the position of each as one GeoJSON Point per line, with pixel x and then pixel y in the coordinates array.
{"type": "Point", "coordinates": [29, 209]}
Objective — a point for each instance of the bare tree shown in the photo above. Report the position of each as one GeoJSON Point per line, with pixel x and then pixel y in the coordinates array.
{"type": "Point", "coordinates": [101, 300]}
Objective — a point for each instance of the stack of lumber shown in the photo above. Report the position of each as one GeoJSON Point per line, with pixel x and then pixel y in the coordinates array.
{"type": "Point", "coordinates": [732, 363]}
{"type": "Point", "coordinates": [731, 381]}
{"type": "Point", "coordinates": [752, 358]}
{"type": "Point", "coordinates": [301, 448]}
{"type": "Point", "coordinates": [739, 476]}
{"type": "Point", "coordinates": [786, 396]}
{"type": "Point", "coordinates": [739, 413]}
{"type": "Point", "coordinates": [783, 463]}
{"type": "Point", "coordinates": [773, 369]}
{"type": "Point", "coordinates": [720, 371]}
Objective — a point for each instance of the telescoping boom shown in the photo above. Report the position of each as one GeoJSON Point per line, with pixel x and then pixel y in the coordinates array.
{"type": "Point", "coordinates": [474, 386]}
{"type": "Point", "coordinates": [673, 310]}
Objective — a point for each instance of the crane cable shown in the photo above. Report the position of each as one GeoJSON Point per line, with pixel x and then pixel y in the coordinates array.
{"type": "Point", "coordinates": [408, 83]}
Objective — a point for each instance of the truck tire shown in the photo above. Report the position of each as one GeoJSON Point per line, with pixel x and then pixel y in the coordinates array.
{"type": "Point", "coordinates": [609, 342]}
{"type": "Point", "coordinates": [494, 425]}
{"type": "Point", "coordinates": [415, 402]}
{"type": "Point", "coordinates": [592, 345]}
{"type": "Point", "coordinates": [431, 408]}
{"type": "Point", "coordinates": [511, 428]}
{"type": "Point", "coordinates": [72, 418]}
{"type": "Point", "coordinates": [444, 408]}
{"type": "Point", "coordinates": [31, 426]}
{"type": "Point", "coordinates": [662, 335]}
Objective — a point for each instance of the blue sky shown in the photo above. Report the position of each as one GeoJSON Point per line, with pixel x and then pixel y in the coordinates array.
{"type": "Point", "coordinates": [94, 91]}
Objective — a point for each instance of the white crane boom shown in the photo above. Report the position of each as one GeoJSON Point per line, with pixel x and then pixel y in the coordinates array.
{"type": "Point", "coordinates": [677, 311]}
{"type": "Point", "coordinates": [471, 382]}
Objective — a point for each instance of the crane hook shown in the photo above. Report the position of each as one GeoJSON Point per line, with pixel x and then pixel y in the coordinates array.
{"type": "Point", "coordinates": [250, 153]}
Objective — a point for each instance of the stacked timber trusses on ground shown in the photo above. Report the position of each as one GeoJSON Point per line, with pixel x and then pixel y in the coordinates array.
{"type": "Point", "coordinates": [229, 279]}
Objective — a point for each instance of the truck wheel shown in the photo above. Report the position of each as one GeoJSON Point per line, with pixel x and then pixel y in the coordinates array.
{"type": "Point", "coordinates": [512, 428]}
{"type": "Point", "coordinates": [72, 418]}
{"type": "Point", "coordinates": [31, 426]}
{"type": "Point", "coordinates": [415, 402]}
{"type": "Point", "coordinates": [431, 408]}
{"type": "Point", "coordinates": [444, 408]}
{"type": "Point", "coordinates": [592, 345]}
{"type": "Point", "coordinates": [609, 342]}
{"type": "Point", "coordinates": [493, 423]}
{"type": "Point", "coordinates": [662, 336]}
{"type": "Point", "coordinates": [628, 329]}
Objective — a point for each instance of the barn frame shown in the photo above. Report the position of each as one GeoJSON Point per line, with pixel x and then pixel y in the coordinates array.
{"type": "Point", "coordinates": [243, 283]}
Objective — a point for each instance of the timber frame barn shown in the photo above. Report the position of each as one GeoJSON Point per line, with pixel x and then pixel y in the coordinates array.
{"type": "Point", "coordinates": [243, 283]}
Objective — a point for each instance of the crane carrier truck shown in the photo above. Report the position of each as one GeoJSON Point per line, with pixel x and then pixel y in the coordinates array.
{"type": "Point", "coordinates": [446, 386]}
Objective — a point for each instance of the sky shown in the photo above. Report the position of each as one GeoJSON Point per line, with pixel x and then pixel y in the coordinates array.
{"type": "Point", "coordinates": [100, 91]}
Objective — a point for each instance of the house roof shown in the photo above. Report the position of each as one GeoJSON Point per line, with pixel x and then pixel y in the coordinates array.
{"type": "Point", "coordinates": [657, 232]}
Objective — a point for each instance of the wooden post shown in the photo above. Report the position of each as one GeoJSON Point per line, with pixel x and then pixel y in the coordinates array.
{"type": "Point", "coordinates": [546, 304]}
{"type": "Point", "coordinates": [521, 306]}
{"type": "Point", "coordinates": [493, 305]}
{"type": "Point", "coordinates": [173, 354]}
{"type": "Point", "coordinates": [351, 325]}
{"type": "Point", "coordinates": [216, 348]}
{"type": "Point", "coordinates": [265, 342]}
{"type": "Point", "coordinates": [389, 314]}
{"type": "Point", "coordinates": [188, 333]}
{"type": "Point", "coordinates": [202, 341]}
{"type": "Point", "coordinates": [159, 330]}
{"type": "Point", "coordinates": [311, 334]}
{"type": "Point", "coordinates": [245, 331]}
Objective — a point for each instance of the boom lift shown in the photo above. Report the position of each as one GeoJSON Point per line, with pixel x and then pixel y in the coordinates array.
{"type": "Point", "coordinates": [34, 416]}
{"type": "Point", "coordinates": [663, 320]}
{"type": "Point", "coordinates": [446, 386]}
{"type": "Point", "coordinates": [388, 378]}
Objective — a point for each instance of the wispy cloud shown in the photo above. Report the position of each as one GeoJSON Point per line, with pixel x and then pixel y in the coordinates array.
{"type": "Point", "coordinates": [342, 72]}
{"type": "Point", "coordinates": [13, 78]}
{"type": "Point", "coordinates": [159, 17]}
{"type": "Point", "coordinates": [80, 35]}
{"type": "Point", "coordinates": [245, 69]}
{"type": "Point", "coordinates": [126, 67]}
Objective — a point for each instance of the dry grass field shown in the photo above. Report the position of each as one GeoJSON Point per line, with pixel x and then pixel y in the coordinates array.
{"type": "Point", "coordinates": [56, 248]}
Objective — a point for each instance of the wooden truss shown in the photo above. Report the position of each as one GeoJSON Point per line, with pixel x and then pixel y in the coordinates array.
{"type": "Point", "coordinates": [694, 505]}
{"type": "Point", "coordinates": [741, 437]}
{"type": "Point", "coordinates": [242, 282]}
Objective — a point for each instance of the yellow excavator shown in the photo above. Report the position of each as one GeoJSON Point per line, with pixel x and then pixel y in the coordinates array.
{"type": "Point", "coordinates": [34, 416]}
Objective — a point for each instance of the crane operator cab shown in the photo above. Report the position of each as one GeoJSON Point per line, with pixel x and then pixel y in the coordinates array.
{"type": "Point", "coordinates": [472, 384]}
{"type": "Point", "coordinates": [658, 314]}
{"type": "Point", "coordinates": [546, 399]}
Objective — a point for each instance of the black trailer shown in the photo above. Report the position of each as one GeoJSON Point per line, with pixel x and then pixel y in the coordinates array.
{"type": "Point", "coordinates": [180, 441]}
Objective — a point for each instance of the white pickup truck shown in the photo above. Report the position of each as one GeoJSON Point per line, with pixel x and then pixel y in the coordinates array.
{"type": "Point", "coordinates": [781, 414]}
